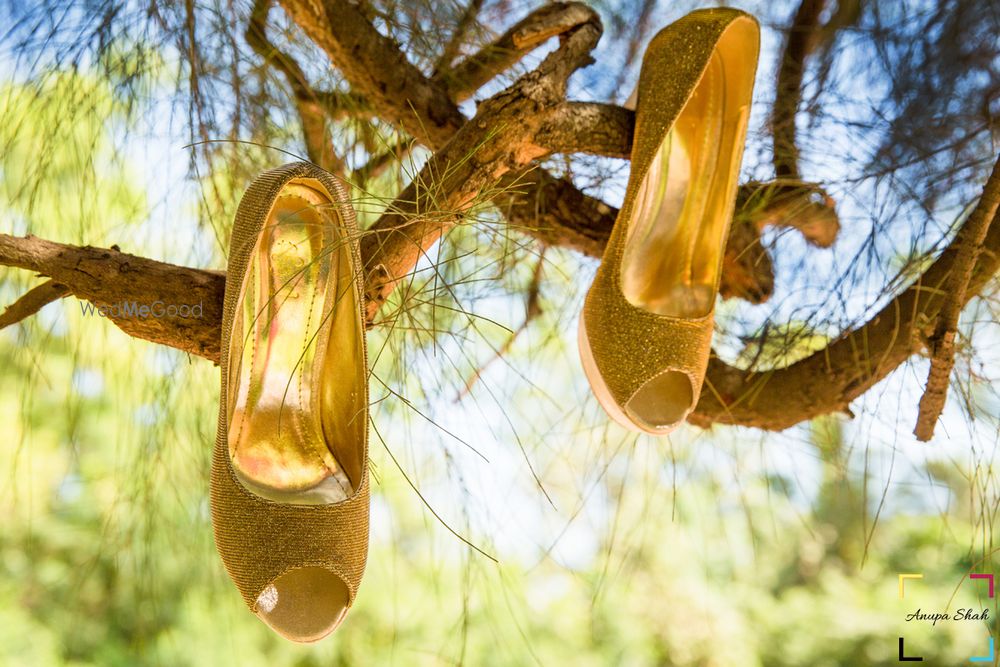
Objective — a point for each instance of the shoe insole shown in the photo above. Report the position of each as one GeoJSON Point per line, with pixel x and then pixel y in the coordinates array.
{"type": "Point", "coordinates": [294, 436]}
{"type": "Point", "coordinates": [677, 232]}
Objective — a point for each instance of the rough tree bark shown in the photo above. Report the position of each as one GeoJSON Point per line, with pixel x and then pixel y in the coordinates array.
{"type": "Point", "coordinates": [485, 155]}
{"type": "Point", "coordinates": [967, 248]}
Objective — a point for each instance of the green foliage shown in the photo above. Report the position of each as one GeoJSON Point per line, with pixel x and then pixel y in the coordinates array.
{"type": "Point", "coordinates": [66, 176]}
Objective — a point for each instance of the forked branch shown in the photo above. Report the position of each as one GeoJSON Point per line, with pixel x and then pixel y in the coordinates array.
{"type": "Point", "coordinates": [496, 153]}
{"type": "Point", "coordinates": [828, 380]}
{"type": "Point", "coordinates": [551, 20]}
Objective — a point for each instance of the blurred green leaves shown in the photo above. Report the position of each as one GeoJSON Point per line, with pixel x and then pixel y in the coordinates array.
{"type": "Point", "coordinates": [60, 166]}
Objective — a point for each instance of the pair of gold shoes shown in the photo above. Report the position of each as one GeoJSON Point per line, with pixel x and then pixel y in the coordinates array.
{"type": "Point", "coordinates": [289, 485]}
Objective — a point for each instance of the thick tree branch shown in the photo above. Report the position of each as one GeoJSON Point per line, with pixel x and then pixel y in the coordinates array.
{"type": "Point", "coordinates": [828, 380]}
{"type": "Point", "coordinates": [32, 302]}
{"type": "Point", "coordinates": [590, 127]}
{"type": "Point", "coordinates": [378, 70]}
{"type": "Point", "coordinates": [107, 277]}
{"type": "Point", "coordinates": [969, 243]}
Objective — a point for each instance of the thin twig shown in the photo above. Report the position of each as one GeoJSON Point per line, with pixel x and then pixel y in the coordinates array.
{"type": "Point", "coordinates": [451, 49]}
{"type": "Point", "coordinates": [532, 309]}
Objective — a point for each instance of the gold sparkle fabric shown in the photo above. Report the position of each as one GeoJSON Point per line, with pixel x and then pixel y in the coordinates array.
{"type": "Point", "coordinates": [258, 539]}
{"type": "Point", "coordinates": [625, 345]}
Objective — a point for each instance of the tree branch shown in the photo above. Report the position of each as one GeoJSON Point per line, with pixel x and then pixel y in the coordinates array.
{"type": "Point", "coordinates": [454, 45]}
{"type": "Point", "coordinates": [378, 70]}
{"type": "Point", "coordinates": [32, 302]}
{"type": "Point", "coordinates": [551, 20]}
{"type": "Point", "coordinates": [319, 146]}
{"type": "Point", "coordinates": [828, 380]}
{"type": "Point", "coordinates": [107, 277]}
{"type": "Point", "coordinates": [969, 243]}
{"type": "Point", "coordinates": [590, 127]}
{"type": "Point", "coordinates": [803, 36]}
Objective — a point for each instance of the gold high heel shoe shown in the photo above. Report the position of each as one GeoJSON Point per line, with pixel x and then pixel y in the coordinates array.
{"type": "Point", "coordinates": [289, 488]}
{"type": "Point", "coordinates": [646, 327]}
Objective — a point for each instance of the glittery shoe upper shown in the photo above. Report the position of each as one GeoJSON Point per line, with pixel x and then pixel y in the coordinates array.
{"type": "Point", "coordinates": [297, 566]}
{"type": "Point", "coordinates": [628, 346]}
